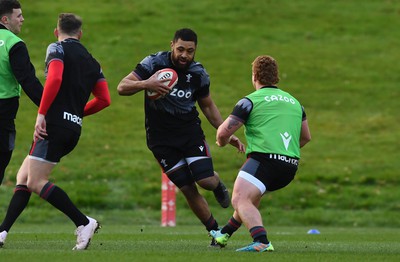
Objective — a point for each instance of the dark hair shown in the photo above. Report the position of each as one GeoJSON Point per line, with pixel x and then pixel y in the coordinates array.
{"type": "Point", "coordinates": [7, 6]}
{"type": "Point", "coordinates": [265, 70]}
{"type": "Point", "coordinates": [69, 24]}
{"type": "Point", "coordinates": [185, 34]}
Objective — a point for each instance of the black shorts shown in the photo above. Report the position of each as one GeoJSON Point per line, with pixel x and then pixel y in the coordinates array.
{"type": "Point", "coordinates": [59, 142]}
{"type": "Point", "coordinates": [186, 163]}
{"type": "Point", "coordinates": [269, 172]}
{"type": "Point", "coordinates": [7, 135]}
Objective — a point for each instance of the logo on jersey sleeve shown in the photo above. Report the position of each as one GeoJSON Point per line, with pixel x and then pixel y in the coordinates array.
{"type": "Point", "coordinates": [286, 139]}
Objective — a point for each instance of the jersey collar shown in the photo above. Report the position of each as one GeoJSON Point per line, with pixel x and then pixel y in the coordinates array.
{"type": "Point", "coordinates": [268, 87]}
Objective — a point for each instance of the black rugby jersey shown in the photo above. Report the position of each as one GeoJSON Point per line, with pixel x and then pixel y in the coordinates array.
{"type": "Point", "coordinates": [80, 75]}
{"type": "Point", "coordinates": [175, 115]}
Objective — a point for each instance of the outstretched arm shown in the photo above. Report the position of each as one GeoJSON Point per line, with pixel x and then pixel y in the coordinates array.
{"type": "Point", "coordinates": [226, 130]}
{"type": "Point", "coordinates": [213, 116]}
{"type": "Point", "coordinates": [210, 111]}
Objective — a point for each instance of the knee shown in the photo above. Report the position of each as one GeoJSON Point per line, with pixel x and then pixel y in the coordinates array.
{"type": "Point", "coordinates": [34, 185]}
{"type": "Point", "coordinates": [238, 200]}
{"type": "Point", "coordinates": [22, 178]}
{"type": "Point", "coordinates": [190, 192]}
{"type": "Point", "coordinates": [235, 201]}
{"type": "Point", "coordinates": [31, 185]}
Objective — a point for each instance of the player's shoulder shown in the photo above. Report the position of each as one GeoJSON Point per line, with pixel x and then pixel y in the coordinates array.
{"type": "Point", "coordinates": [288, 94]}
{"type": "Point", "coordinates": [55, 47]}
{"type": "Point", "coordinates": [159, 58]}
{"type": "Point", "coordinates": [197, 68]}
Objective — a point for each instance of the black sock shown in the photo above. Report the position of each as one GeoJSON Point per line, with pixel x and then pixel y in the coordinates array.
{"type": "Point", "coordinates": [259, 234]}
{"type": "Point", "coordinates": [17, 204]}
{"type": "Point", "coordinates": [60, 200]}
{"type": "Point", "coordinates": [211, 224]}
{"type": "Point", "coordinates": [231, 226]}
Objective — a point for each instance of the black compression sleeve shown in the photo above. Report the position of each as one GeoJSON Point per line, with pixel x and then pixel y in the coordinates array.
{"type": "Point", "coordinates": [25, 73]}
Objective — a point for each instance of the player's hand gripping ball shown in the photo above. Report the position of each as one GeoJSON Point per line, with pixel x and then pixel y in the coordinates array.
{"type": "Point", "coordinates": [166, 73]}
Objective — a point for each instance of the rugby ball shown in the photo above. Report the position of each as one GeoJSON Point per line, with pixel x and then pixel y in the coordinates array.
{"type": "Point", "coordinates": [166, 73]}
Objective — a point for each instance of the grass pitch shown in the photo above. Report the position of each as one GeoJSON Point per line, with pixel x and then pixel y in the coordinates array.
{"type": "Point", "coordinates": [33, 242]}
{"type": "Point", "coordinates": [337, 57]}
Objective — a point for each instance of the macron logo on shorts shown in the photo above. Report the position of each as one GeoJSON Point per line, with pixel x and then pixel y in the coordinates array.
{"type": "Point", "coordinates": [73, 118]}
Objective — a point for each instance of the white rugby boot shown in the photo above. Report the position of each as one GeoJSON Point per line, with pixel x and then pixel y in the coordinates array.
{"type": "Point", "coordinates": [3, 235]}
{"type": "Point", "coordinates": [85, 233]}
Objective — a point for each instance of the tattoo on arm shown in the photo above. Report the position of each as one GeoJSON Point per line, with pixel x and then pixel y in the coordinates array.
{"type": "Point", "coordinates": [232, 123]}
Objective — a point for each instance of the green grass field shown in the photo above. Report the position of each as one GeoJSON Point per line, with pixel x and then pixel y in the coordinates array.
{"type": "Point", "coordinates": [339, 58]}
{"type": "Point", "coordinates": [189, 243]}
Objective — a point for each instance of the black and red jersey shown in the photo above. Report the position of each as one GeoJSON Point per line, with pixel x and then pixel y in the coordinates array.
{"type": "Point", "coordinates": [174, 116]}
{"type": "Point", "coordinates": [80, 74]}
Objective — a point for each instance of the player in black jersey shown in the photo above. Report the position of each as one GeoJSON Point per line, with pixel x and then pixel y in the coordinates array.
{"type": "Point", "coordinates": [173, 128]}
{"type": "Point", "coordinates": [72, 75]}
{"type": "Point", "coordinates": [16, 72]}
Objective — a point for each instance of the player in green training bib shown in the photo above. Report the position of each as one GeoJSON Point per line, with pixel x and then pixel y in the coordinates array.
{"type": "Point", "coordinates": [276, 128]}
{"type": "Point", "coordinates": [16, 73]}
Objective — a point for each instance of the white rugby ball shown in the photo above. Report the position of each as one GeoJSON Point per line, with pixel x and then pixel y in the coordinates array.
{"type": "Point", "coordinates": [166, 73]}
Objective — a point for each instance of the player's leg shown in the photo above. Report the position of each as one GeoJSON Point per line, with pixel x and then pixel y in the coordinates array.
{"type": "Point", "coordinates": [38, 182]}
{"type": "Point", "coordinates": [198, 157]}
{"type": "Point", "coordinates": [5, 158]}
{"type": "Point", "coordinates": [222, 236]}
{"type": "Point", "coordinates": [18, 201]}
{"type": "Point", "coordinates": [245, 199]}
{"type": "Point", "coordinates": [175, 167]}
{"type": "Point", "coordinates": [258, 175]}
{"type": "Point", "coordinates": [7, 143]}
{"type": "Point", "coordinates": [202, 171]}
{"type": "Point", "coordinates": [181, 177]}
{"type": "Point", "coordinates": [247, 192]}
{"type": "Point", "coordinates": [43, 157]}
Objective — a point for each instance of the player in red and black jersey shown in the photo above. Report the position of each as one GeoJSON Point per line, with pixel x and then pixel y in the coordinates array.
{"type": "Point", "coordinates": [72, 75]}
{"type": "Point", "coordinates": [173, 126]}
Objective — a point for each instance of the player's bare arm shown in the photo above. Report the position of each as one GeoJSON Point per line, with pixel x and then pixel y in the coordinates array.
{"type": "Point", "coordinates": [213, 115]}
{"type": "Point", "coordinates": [131, 85]}
{"type": "Point", "coordinates": [210, 111]}
{"type": "Point", "coordinates": [225, 133]}
{"type": "Point", "coordinates": [305, 135]}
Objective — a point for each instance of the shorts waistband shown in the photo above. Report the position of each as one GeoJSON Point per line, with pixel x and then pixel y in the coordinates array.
{"type": "Point", "coordinates": [283, 158]}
